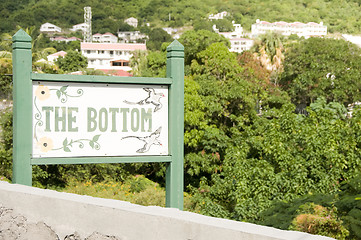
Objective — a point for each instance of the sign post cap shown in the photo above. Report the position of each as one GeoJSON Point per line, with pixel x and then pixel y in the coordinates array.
{"type": "Point", "coordinates": [175, 46]}
{"type": "Point", "coordinates": [21, 36]}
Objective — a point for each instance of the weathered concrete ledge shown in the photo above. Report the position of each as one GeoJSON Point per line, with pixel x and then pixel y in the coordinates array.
{"type": "Point", "coordinates": [66, 213]}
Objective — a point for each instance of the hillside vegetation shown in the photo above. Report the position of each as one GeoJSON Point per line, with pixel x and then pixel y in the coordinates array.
{"type": "Point", "coordinates": [269, 136]}
{"type": "Point", "coordinates": [108, 15]}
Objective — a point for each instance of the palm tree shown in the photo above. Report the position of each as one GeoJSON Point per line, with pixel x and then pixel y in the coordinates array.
{"type": "Point", "coordinates": [31, 31]}
{"type": "Point", "coordinates": [269, 50]}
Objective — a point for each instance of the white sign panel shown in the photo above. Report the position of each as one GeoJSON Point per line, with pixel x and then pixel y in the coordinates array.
{"type": "Point", "coordinates": [78, 120]}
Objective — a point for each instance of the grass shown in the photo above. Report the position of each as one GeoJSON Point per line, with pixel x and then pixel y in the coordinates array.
{"type": "Point", "coordinates": [136, 189]}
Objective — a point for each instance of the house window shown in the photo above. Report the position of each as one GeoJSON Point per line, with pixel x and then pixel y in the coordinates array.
{"type": "Point", "coordinates": [120, 64]}
{"type": "Point", "coordinates": [88, 51]}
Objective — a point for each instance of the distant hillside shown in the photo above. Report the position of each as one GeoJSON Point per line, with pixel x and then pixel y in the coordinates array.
{"type": "Point", "coordinates": [108, 15]}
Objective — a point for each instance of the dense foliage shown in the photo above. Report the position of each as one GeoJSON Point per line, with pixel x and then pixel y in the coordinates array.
{"type": "Point", "coordinates": [322, 68]}
{"type": "Point", "coordinates": [72, 61]}
{"type": "Point", "coordinates": [108, 16]}
{"type": "Point", "coordinates": [246, 147]}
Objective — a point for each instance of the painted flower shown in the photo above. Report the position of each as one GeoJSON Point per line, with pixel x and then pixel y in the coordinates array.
{"type": "Point", "coordinates": [42, 92]}
{"type": "Point", "coordinates": [46, 144]}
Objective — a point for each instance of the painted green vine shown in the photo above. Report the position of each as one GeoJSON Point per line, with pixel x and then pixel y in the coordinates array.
{"type": "Point", "coordinates": [67, 145]}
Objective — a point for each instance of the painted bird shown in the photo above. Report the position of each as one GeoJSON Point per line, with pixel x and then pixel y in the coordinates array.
{"type": "Point", "coordinates": [150, 140]}
{"type": "Point", "coordinates": [153, 98]}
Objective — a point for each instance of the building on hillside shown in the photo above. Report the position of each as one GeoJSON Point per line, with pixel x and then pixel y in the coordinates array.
{"type": "Point", "coordinates": [237, 33]}
{"type": "Point", "coordinates": [79, 27]}
{"type": "Point", "coordinates": [54, 56]}
{"type": "Point", "coordinates": [49, 28]}
{"type": "Point", "coordinates": [301, 29]}
{"type": "Point", "coordinates": [218, 16]}
{"type": "Point", "coordinates": [238, 43]}
{"type": "Point", "coordinates": [64, 39]}
{"type": "Point", "coordinates": [131, 36]}
{"type": "Point", "coordinates": [132, 21]}
{"type": "Point", "coordinates": [111, 58]}
{"type": "Point", "coordinates": [105, 38]}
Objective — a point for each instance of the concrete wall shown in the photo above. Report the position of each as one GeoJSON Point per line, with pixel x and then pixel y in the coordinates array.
{"type": "Point", "coordinates": [67, 213]}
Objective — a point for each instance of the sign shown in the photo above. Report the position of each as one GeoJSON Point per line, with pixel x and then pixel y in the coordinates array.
{"type": "Point", "coordinates": [87, 119]}
{"type": "Point", "coordinates": [77, 119]}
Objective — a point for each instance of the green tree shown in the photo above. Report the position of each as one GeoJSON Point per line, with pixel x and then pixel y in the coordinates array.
{"type": "Point", "coordinates": [197, 41]}
{"type": "Point", "coordinates": [6, 69]}
{"type": "Point", "coordinates": [150, 63]}
{"type": "Point", "coordinates": [279, 156]}
{"type": "Point", "coordinates": [202, 24]}
{"type": "Point", "coordinates": [5, 42]}
{"type": "Point", "coordinates": [319, 67]}
{"type": "Point", "coordinates": [73, 61]}
{"type": "Point", "coordinates": [224, 25]}
{"type": "Point", "coordinates": [157, 37]}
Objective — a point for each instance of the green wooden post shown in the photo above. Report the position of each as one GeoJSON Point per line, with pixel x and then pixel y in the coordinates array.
{"type": "Point", "coordinates": [174, 173]}
{"type": "Point", "coordinates": [22, 109]}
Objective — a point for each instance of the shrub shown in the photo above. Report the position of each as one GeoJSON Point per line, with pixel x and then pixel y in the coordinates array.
{"type": "Point", "coordinates": [319, 220]}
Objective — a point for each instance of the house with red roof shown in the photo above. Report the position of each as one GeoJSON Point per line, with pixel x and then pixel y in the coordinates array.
{"type": "Point", "coordinates": [301, 29]}
{"type": "Point", "coordinates": [54, 56]}
{"type": "Point", "coordinates": [111, 58]}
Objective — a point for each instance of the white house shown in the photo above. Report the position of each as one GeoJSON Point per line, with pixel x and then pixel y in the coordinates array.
{"type": "Point", "coordinates": [49, 28]}
{"type": "Point", "coordinates": [237, 33]}
{"type": "Point", "coordinates": [79, 27]}
{"type": "Point", "coordinates": [105, 38]}
{"type": "Point", "coordinates": [131, 36]}
{"type": "Point", "coordinates": [111, 58]}
{"type": "Point", "coordinates": [54, 56]}
{"type": "Point", "coordinates": [218, 16]}
{"type": "Point", "coordinates": [238, 43]}
{"type": "Point", "coordinates": [301, 29]}
{"type": "Point", "coordinates": [132, 21]}
{"type": "Point", "coordinates": [64, 39]}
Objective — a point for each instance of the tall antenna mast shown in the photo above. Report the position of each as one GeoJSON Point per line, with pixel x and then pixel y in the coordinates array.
{"type": "Point", "coordinates": [88, 22]}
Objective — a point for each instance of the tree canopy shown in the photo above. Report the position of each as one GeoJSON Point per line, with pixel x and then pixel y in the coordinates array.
{"type": "Point", "coordinates": [327, 68]}
{"type": "Point", "coordinates": [73, 61]}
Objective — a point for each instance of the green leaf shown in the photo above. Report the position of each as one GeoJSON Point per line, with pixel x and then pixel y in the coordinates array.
{"type": "Point", "coordinates": [63, 88]}
{"type": "Point", "coordinates": [91, 143]}
{"type": "Point", "coordinates": [66, 149]}
{"type": "Point", "coordinates": [58, 93]}
{"type": "Point", "coordinates": [95, 138]}
{"type": "Point", "coordinates": [65, 142]}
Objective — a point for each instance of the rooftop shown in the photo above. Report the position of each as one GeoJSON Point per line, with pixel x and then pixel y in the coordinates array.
{"type": "Point", "coordinates": [113, 46]}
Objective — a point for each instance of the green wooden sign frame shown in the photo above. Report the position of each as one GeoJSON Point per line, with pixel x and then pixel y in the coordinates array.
{"type": "Point", "coordinates": [22, 121]}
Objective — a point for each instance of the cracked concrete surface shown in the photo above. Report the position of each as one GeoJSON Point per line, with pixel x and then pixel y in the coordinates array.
{"type": "Point", "coordinates": [14, 226]}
